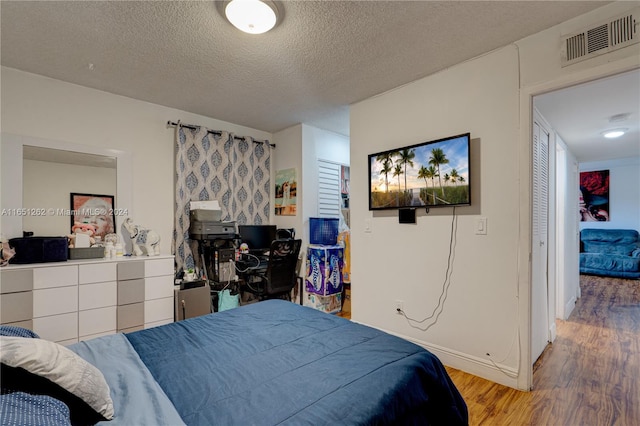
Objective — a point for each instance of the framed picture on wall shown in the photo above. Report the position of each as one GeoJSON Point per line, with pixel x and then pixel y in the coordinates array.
{"type": "Point", "coordinates": [97, 210]}
{"type": "Point", "coordinates": [594, 196]}
{"type": "Point", "coordinates": [286, 192]}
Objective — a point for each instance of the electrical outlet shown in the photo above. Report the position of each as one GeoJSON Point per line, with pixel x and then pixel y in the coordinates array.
{"type": "Point", "coordinates": [399, 307]}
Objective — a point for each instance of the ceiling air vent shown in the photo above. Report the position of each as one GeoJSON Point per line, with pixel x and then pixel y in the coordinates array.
{"type": "Point", "coordinates": [602, 38]}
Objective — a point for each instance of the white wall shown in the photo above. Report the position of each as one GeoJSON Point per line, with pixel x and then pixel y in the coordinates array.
{"type": "Point", "coordinates": [301, 147]}
{"type": "Point", "coordinates": [409, 262]}
{"type": "Point", "coordinates": [568, 230]}
{"type": "Point", "coordinates": [42, 107]}
{"type": "Point", "coordinates": [48, 185]}
{"type": "Point", "coordinates": [318, 144]}
{"type": "Point", "coordinates": [289, 156]}
{"type": "Point", "coordinates": [624, 193]}
{"type": "Point", "coordinates": [487, 307]}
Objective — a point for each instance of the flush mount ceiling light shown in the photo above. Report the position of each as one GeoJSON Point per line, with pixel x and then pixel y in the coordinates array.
{"type": "Point", "coordinates": [614, 133]}
{"type": "Point", "coordinates": [251, 16]}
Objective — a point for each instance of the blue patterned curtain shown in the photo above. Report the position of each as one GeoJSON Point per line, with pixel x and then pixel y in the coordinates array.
{"type": "Point", "coordinates": [236, 172]}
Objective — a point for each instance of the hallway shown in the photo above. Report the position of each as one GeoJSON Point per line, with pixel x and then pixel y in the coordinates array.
{"type": "Point", "coordinates": [589, 376]}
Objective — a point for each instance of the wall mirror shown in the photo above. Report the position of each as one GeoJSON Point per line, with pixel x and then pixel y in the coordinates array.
{"type": "Point", "coordinates": [38, 176]}
{"type": "Point", "coordinates": [50, 175]}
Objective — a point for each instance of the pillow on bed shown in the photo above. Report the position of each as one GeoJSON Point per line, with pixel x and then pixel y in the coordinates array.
{"type": "Point", "coordinates": [44, 361]}
{"type": "Point", "coordinates": [12, 330]}
{"type": "Point", "coordinates": [20, 408]}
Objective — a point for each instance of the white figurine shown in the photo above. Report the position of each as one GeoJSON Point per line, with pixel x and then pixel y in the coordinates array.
{"type": "Point", "coordinates": [141, 237]}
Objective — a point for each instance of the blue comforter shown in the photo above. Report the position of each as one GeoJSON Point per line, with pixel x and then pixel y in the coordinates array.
{"type": "Point", "coordinates": [137, 397]}
{"type": "Point", "coordinates": [275, 362]}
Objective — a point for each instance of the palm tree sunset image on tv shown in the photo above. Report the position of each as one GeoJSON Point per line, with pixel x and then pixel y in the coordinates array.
{"type": "Point", "coordinates": [429, 174]}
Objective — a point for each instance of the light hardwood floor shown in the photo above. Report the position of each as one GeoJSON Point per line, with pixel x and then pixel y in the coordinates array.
{"type": "Point", "coordinates": [590, 375]}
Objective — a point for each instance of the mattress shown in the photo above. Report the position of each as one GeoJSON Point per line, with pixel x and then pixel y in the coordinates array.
{"type": "Point", "coordinates": [267, 363]}
{"type": "Point", "coordinates": [276, 362]}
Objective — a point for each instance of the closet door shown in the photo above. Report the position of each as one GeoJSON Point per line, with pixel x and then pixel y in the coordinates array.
{"type": "Point", "coordinates": [540, 213]}
{"type": "Point", "coordinates": [329, 192]}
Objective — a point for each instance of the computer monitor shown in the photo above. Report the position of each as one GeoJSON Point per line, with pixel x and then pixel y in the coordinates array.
{"type": "Point", "coordinates": [257, 237]}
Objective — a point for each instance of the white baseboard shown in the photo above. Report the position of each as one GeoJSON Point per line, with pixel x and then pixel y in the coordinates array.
{"type": "Point", "coordinates": [568, 308]}
{"type": "Point", "coordinates": [504, 375]}
{"type": "Point", "coordinates": [552, 332]}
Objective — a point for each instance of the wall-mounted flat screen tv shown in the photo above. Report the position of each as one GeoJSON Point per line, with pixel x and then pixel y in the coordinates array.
{"type": "Point", "coordinates": [428, 174]}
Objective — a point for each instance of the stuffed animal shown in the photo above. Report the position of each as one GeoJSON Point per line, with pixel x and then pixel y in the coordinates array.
{"type": "Point", "coordinates": [81, 229]}
{"type": "Point", "coordinates": [6, 252]}
{"type": "Point", "coordinates": [142, 238]}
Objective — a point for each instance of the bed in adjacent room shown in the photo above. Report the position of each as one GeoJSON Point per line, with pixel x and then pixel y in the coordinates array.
{"type": "Point", "coordinates": [268, 363]}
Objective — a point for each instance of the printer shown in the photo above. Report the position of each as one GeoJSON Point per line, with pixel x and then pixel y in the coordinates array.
{"type": "Point", "coordinates": [205, 224]}
{"type": "Point", "coordinates": [199, 230]}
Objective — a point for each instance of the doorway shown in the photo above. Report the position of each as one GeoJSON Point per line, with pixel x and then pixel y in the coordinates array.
{"type": "Point", "coordinates": [577, 116]}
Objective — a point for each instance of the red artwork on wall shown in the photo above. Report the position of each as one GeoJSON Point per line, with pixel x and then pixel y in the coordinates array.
{"type": "Point", "coordinates": [594, 196]}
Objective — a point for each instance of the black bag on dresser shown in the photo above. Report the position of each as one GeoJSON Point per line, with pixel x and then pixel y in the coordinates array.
{"type": "Point", "coordinates": [39, 249]}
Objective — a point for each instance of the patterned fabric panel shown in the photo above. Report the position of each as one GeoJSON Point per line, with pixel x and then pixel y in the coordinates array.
{"type": "Point", "coordinates": [12, 330]}
{"type": "Point", "coordinates": [23, 409]}
{"type": "Point", "coordinates": [235, 172]}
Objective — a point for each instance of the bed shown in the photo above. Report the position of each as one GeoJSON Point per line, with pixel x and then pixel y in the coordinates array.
{"type": "Point", "coordinates": [267, 363]}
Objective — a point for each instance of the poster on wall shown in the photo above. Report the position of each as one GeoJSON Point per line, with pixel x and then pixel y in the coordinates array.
{"type": "Point", "coordinates": [345, 178]}
{"type": "Point", "coordinates": [98, 210]}
{"type": "Point", "coordinates": [594, 196]}
{"type": "Point", "coordinates": [286, 190]}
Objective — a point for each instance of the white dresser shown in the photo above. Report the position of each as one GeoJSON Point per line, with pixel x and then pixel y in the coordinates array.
{"type": "Point", "coordinates": [81, 299]}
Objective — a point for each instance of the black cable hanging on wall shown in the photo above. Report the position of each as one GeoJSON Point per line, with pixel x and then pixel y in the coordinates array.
{"type": "Point", "coordinates": [215, 132]}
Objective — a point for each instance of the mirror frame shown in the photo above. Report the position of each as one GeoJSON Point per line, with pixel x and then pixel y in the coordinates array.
{"type": "Point", "coordinates": [11, 161]}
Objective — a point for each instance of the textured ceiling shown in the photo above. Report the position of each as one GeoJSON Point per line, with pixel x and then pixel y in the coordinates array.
{"type": "Point", "coordinates": [321, 57]}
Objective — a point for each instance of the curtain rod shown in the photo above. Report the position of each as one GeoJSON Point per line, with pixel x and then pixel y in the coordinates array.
{"type": "Point", "coordinates": [214, 132]}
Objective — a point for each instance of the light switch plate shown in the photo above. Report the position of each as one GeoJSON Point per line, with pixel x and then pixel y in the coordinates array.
{"type": "Point", "coordinates": [481, 226]}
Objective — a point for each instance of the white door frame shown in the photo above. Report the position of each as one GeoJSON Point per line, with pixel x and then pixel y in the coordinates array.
{"type": "Point", "coordinates": [561, 211]}
{"type": "Point", "coordinates": [525, 380]}
{"type": "Point", "coordinates": [543, 244]}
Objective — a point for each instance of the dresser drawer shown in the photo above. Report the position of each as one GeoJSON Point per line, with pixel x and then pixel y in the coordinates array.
{"type": "Point", "coordinates": [158, 267]}
{"type": "Point", "coordinates": [55, 276]}
{"type": "Point", "coordinates": [57, 327]}
{"type": "Point", "coordinates": [97, 273]}
{"type": "Point", "coordinates": [15, 281]}
{"type": "Point", "coordinates": [96, 321]}
{"type": "Point", "coordinates": [94, 336]}
{"type": "Point", "coordinates": [132, 329]}
{"type": "Point", "coordinates": [98, 295]}
{"type": "Point", "coordinates": [16, 307]}
{"type": "Point", "coordinates": [157, 323]}
{"type": "Point", "coordinates": [130, 316]}
{"type": "Point", "coordinates": [130, 291]}
{"type": "Point", "coordinates": [130, 270]}
{"type": "Point", "coordinates": [24, 324]}
{"type": "Point", "coordinates": [158, 287]}
{"type": "Point", "coordinates": [54, 301]}
{"type": "Point", "coordinates": [159, 309]}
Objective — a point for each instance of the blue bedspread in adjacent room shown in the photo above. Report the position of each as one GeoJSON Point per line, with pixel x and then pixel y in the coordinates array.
{"type": "Point", "coordinates": [275, 362]}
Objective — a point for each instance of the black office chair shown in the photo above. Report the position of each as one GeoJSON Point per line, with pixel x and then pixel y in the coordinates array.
{"type": "Point", "coordinates": [285, 233]}
{"type": "Point", "coordinates": [279, 278]}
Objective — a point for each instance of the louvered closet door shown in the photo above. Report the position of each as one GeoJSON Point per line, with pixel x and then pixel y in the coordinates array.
{"type": "Point", "coordinates": [540, 203]}
{"type": "Point", "coordinates": [329, 198]}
